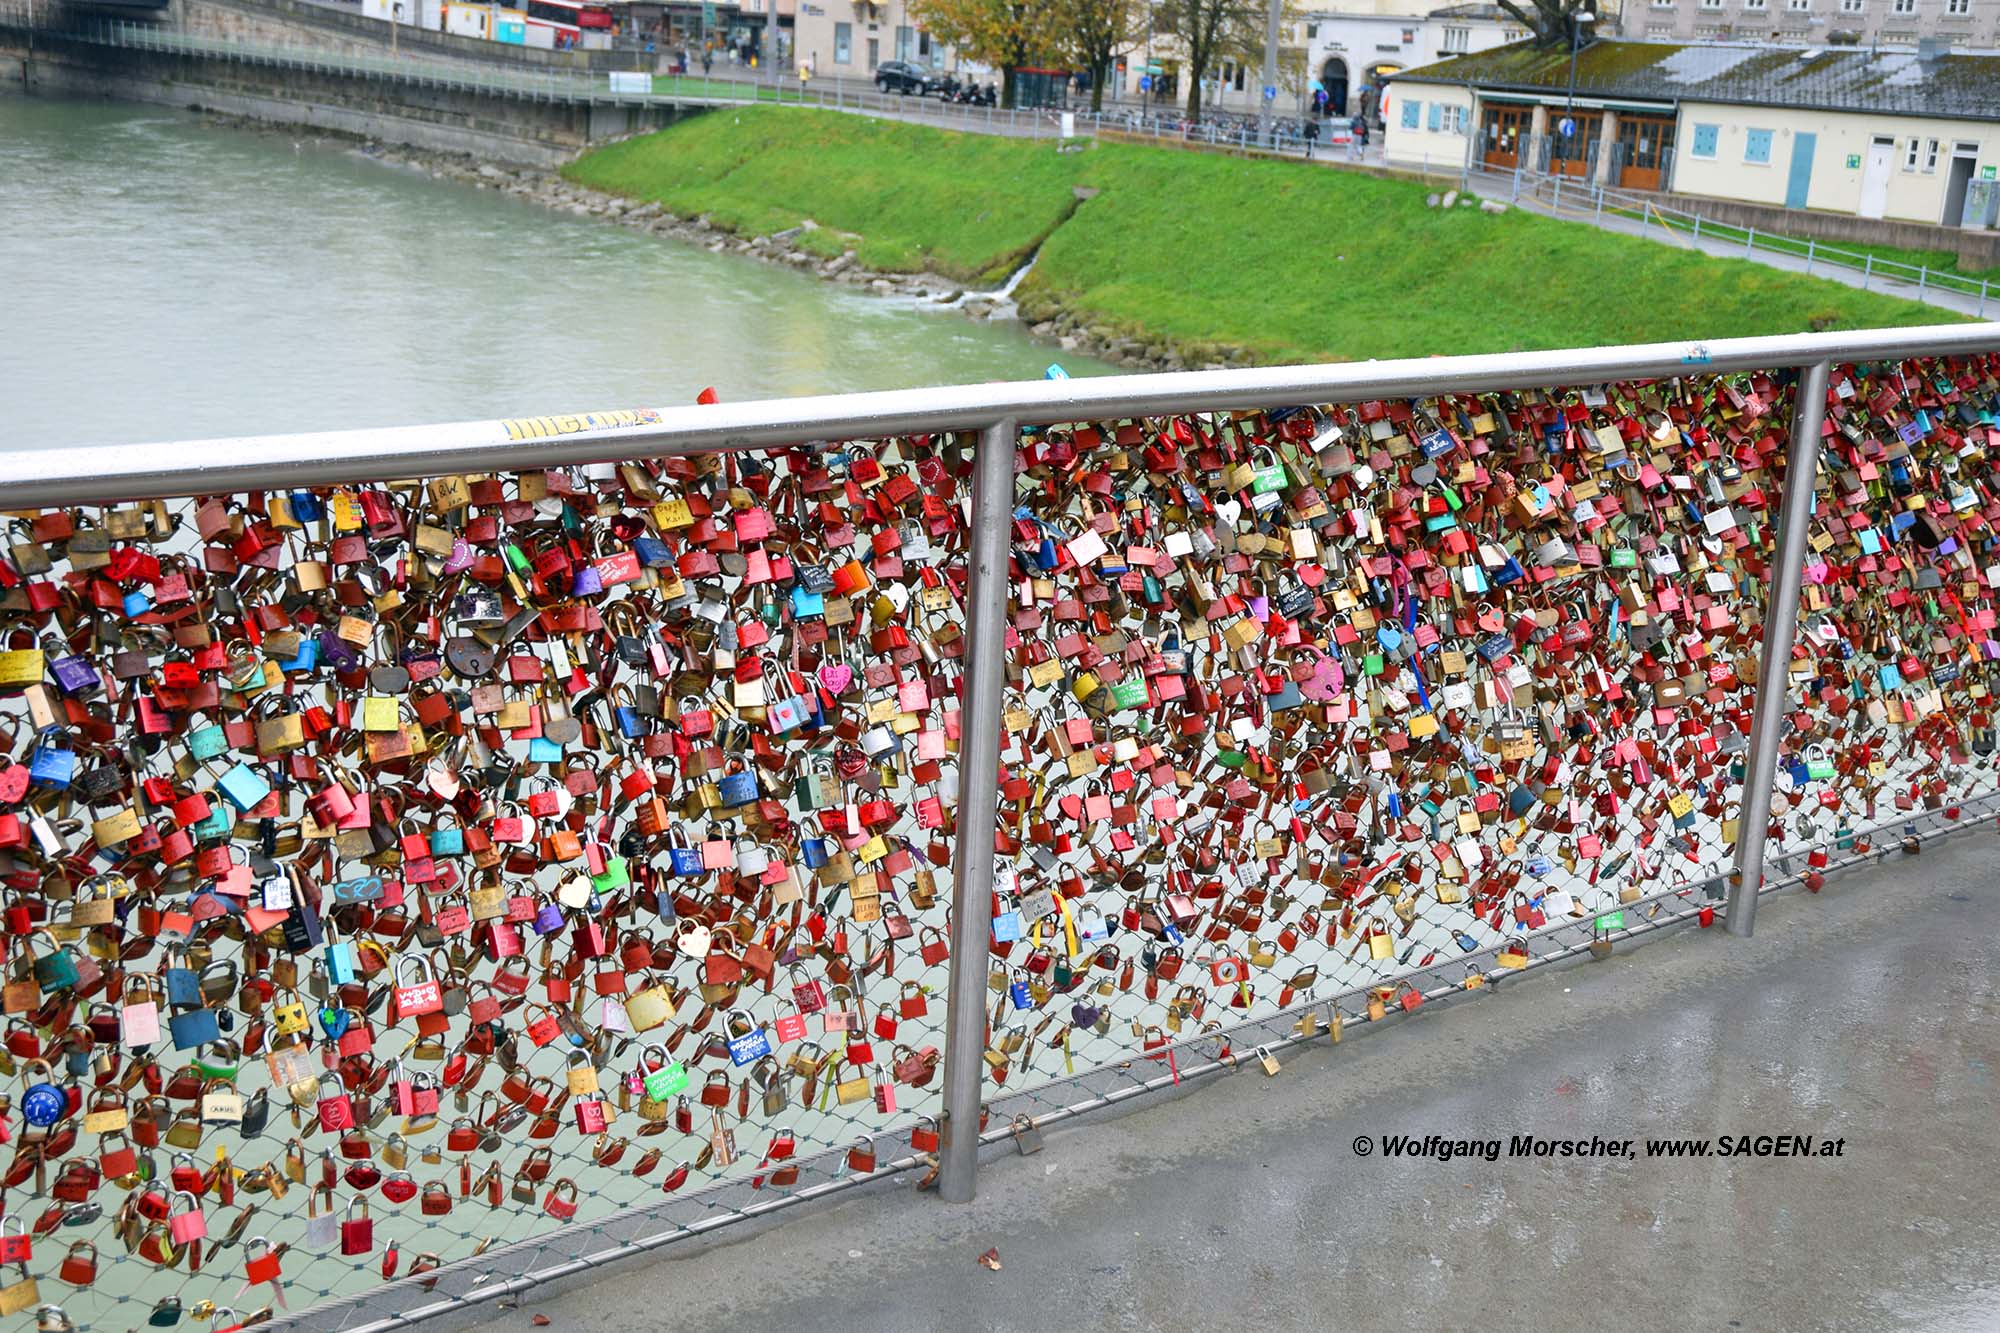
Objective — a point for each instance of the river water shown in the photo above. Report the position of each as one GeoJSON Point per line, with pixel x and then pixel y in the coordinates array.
{"type": "Point", "coordinates": [162, 278]}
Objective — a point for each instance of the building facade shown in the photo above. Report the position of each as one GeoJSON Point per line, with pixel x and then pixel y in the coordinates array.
{"type": "Point", "coordinates": [1889, 134]}
{"type": "Point", "coordinates": [1963, 23]}
{"type": "Point", "coordinates": [850, 38]}
{"type": "Point", "coordinates": [1352, 54]}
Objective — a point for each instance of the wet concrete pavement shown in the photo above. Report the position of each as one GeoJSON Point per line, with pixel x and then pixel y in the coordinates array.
{"type": "Point", "coordinates": [1867, 1013]}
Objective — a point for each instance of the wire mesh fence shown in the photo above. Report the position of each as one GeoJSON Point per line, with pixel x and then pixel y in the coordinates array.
{"type": "Point", "coordinates": [405, 870]}
{"type": "Point", "coordinates": [420, 889]}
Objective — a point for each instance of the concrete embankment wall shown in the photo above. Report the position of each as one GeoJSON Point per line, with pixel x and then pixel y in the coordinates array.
{"type": "Point", "coordinates": [489, 126]}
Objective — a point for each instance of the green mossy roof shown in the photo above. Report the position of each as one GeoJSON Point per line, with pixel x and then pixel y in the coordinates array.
{"type": "Point", "coordinates": [1965, 87]}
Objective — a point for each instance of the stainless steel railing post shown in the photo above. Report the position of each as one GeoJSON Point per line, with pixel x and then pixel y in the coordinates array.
{"type": "Point", "coordinates": [978, 794]}
{"type": "Point", "coordinates": [1781, 624]}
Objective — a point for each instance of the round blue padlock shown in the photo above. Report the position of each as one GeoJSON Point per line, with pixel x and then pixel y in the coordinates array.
{"type": "Point", "coordinates": [44, 1104]}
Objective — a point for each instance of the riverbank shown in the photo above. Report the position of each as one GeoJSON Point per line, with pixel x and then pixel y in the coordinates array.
{"type": "Point", "coordinates": [1149, 256]}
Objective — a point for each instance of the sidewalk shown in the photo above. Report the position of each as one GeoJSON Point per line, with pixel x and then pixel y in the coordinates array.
{"type": "Point", "coordinates": [1866, 1013]}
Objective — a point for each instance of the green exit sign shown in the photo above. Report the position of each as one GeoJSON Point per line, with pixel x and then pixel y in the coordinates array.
{"type": "Point", "coordinates": [1854, 161]}
{"type": "Point", "coordinates": [1988, 173]}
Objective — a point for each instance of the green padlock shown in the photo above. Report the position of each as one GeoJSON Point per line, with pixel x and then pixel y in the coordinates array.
{"type": "Point", "coordinates": [1130, 692]}
{"type": "Point", "coordinates": [616, 875]}
{"type": "Point", "coordinates": [665, 1081]}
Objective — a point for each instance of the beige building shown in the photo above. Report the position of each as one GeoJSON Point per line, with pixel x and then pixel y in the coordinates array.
{"type": "Point", "coordinates": [1962, 23]}
{"type": "Point", "coordinates": [849, 38]}
{"type": "Point", "coordinates": [1889, 134]}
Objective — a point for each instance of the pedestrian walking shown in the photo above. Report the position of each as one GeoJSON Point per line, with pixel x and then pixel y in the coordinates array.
{"type": "Point", "coordinates": [1312, 135]}
{"type": "Point", "coordinates": [707, 60]}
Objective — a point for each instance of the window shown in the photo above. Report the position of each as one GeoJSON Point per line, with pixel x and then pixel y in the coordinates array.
{"type": "Point", "coordinates": [1711, 4]}
{"type": "Point", "coordinates": [1799, 6]}
{"type": "Point", "coordinates": [1704, 140]}
{"type": "Point", "coordinates": [1437, 117]}
{"type": "Point", "coordinates": [1903, 6]}
{"type": "Point", "coordinates": [1910, 156]}
{"type": "Point", "coordinates": [1757, 146]}
{"type": "Point", "coordinates": [1456, 40]}
{"type": "Point", "coordinates": [1410, 113]}
{"type": "Point", "coordinates": [1457, 119]}
{"type": "Point", "coordinates": [1312, 31]}
{"type": "Point", "coordinates": [1753, 4]}
{"type": "Point", "coordinates": [1930, 156]}
{"type": "Point", "coordinates": [1663, 4]}
{"type": "Point", "coordinates": [905, 41]}
{"type": "Point", "coordinates": [1958, 6]}
{"type": "Point", "coordinates": [843, 43]}
{"type": "Point", "coordinates": [1853, 6]}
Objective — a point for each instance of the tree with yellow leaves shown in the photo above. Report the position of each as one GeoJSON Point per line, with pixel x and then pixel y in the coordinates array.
{"type": "Point", "coordinates": [1009, 35]}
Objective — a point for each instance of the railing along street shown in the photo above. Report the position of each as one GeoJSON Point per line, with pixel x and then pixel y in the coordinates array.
{"type": "Point", "coordinates": [445, 858]}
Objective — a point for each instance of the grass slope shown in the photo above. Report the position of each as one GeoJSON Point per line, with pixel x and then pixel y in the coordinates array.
{"type": "Point", "coordinates": [1287, 261]}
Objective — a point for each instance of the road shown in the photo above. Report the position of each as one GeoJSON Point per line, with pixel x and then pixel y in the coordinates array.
{"type": "Point", "coordinates": [1864, 1014]}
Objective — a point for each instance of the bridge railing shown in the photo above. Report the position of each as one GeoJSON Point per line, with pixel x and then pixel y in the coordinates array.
{"type": "Point", "coordinates": [445, 858]}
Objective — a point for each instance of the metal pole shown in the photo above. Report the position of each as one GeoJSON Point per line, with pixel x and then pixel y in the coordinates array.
{"type": "Point", "coordinates": [1809, 256]}
{"type": "Point", "coordinates": [1781, 624]}
{"type": "Point", "coordinates": [1867, 269]}
{"type": "Point", "coordinates": [1982, 298]}
{"type": "Point", "coordinates": [1749, 241]}
{"type": "Point", "coordinates": [978, 792]}
{"type": "Point", "coordinates": [1269, 103]}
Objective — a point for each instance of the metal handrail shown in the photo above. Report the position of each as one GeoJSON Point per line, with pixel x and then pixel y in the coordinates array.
{"type": "Point", "coordinates": [134, 471]}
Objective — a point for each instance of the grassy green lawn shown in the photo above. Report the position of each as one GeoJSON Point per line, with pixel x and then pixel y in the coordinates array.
{"type": "Point", "coordinates": [1289, 261]}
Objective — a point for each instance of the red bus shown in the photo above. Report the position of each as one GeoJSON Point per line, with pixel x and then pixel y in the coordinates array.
{"type": "Point", "coordinates": [567, 23]}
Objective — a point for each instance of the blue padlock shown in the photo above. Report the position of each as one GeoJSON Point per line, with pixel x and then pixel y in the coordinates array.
{"type": "Point", "coordinates": [340, 962]}
{"type": "Point", "coordinates": [1017, 994]}
{"type": "Point", "coordinates": [137, 602]}
{"type": "Point", "coordinates": [50, 766]}
{"type": "Point", "coordinates": [685, 860]}
{"type": "Point", "coordinates": [307, 507]}
{"type": "Point", "coordinates": [305, 659]}
{"type": "Point", "coordinates": [737, 788]}
{"type": "Point", "coordinates": [243, 787]}
{"type": "Point", "coordinates": [207, 742]}
{"type": "Point", "coordinates": [448, 841]}
{"type": "Point", "coordinates": [746, 1047]}
{"type": "Point", "coordinates": [1006, 927]}
{"type": "Point", "coordinates": [44, 1103]}
{"type": "Point", "coordinates": [335, 1022]}
{"type": "Point", "coordinates": [652, 552]}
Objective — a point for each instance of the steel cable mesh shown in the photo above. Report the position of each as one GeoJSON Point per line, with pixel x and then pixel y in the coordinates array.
{"type": "Point", "coordinates": [1893, 676]}
{"type": "Point", "coordinates": [1339, 702]}
{"type": "Point", "coordinates": [617, 796]}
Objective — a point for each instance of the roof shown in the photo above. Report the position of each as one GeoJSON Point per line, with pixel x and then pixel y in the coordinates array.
{"type": "Point", "coordinates": [1902, 83]}
{"type": "Point", "coordinates": [1474, 11]}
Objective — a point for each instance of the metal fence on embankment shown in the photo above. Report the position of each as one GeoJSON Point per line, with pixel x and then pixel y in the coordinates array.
{"type": "Point", "coordinates": [443, 858]}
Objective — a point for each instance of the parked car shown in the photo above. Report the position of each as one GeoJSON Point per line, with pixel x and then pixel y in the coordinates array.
{"type": "Point", "coordinates": [899, 77]}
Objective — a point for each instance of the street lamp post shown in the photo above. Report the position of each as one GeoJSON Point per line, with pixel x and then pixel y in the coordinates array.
{"type": "Point", "coordinates": [1577, 20]}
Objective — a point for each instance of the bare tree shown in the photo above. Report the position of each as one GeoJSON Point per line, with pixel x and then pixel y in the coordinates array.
{"type": "Point", "coordinates": [1554, 22]}
{"type": "Point", "coordinates": [1212, 31]}
{"type": "Point", "coordinates": [1098, 30]}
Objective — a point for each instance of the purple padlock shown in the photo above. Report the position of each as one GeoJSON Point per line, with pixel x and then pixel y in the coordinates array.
{"type": "Point", "coordinates": [338, 652]}
{"type": "Point", "coordinates": [587, 582]}
{"type": "Point", "coordinates": [75, 675]}
{"type": "Point", "coordinates": [549, 919]}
